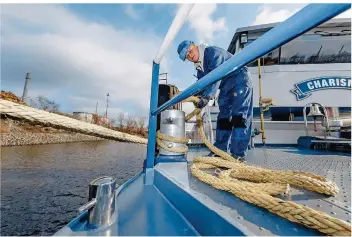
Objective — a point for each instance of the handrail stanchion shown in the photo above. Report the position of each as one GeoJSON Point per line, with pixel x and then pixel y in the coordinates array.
{"type": "Point", "coordinates": [154, 91]}
{"type": "Point", "coordinates": [177, 23]}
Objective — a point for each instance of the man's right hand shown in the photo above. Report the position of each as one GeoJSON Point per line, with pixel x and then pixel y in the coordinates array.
{"type": "Point", "coordinates": [203, 101]}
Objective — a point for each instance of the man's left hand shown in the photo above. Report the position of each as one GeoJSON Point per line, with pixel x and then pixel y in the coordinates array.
{"type": "Point", "coordinates": [203, 101]}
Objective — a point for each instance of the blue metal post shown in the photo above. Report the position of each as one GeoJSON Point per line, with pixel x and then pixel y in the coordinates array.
{"type": "Point", "coordinates": [306, 19]}
{"type": "Point", "coordinates": [153, 118]}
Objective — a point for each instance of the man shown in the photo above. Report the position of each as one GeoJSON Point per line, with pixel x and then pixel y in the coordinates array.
{"type": "Point", "coordinates": [235, 99]}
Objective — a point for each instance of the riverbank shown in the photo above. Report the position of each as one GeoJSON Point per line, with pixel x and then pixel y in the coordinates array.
{"type": "Point", "coordinates": [19, 133]}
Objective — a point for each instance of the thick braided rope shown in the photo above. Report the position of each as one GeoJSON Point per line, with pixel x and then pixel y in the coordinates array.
{"type": "Point", "coordinates": [263, 175]}
{"type": "Point", "coordinates": [302, 179]}
{"type": "Point", "coordinates": [269, 188]}
{"type": "Point", "coordinates": [39, 116]}
{"type": "Point", "coordinates": [260, 193]}
{"type": "Point", "coordinates": [286, 209]}
{"type": "Point", "coordinates": [171, 149]}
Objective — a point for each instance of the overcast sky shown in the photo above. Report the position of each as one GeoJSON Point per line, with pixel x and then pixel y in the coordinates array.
{"type": "Point", "coordinates": [78, 53]}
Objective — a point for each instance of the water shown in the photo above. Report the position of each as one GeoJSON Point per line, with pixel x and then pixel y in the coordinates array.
{"type": "Point", "coordinates": [43, 185]}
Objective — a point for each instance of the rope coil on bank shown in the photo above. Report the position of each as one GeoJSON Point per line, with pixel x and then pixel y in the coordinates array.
{"type": "Point", "coordinates": [39, 116]}
{"type": "Point", "coordinates": [256, 185]}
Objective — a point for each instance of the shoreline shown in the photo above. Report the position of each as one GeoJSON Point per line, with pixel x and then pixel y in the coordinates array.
{"type": "Point", "coordinates": [20, 133]}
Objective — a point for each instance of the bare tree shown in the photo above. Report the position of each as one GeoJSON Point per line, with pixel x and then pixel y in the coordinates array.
{"type": "Point", "coordinates": [121, 118]}
{"type": "Point", "coordinates": [33, 103]}
{"type": "Point", "coordinates": [135, 123]}
{"type": "Point", "coordinates": [141, 122]}
{"type": "Point", "coordinates": [46, 104]}
{"type": "Point", "coordinates": [130, 122]}
{"type": "Point", "coordinates": [113, 122]}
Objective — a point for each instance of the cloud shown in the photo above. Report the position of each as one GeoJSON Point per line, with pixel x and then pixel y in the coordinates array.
{"type": "Point", "coordinates": [131, 12]}
{"type": "Point", "coordinates": [267, 14]}
{"type": "Point", "coordinates": [201, 20]}
{"type": "Point", "coordinates": [69, 56]}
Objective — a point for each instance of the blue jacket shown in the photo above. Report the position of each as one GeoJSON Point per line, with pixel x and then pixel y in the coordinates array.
{"type": "Point", "coordinates": [214, 57]}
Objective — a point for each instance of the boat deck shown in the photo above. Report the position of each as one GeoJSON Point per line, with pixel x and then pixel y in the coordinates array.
{"type": "Point", "coordinates": [332, 165]}
{"type": "Point", "coordinates": [179, 204]}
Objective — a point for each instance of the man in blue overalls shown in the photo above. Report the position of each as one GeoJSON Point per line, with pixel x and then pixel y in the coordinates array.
{"type": "Point", "coordinates": [235, 99]}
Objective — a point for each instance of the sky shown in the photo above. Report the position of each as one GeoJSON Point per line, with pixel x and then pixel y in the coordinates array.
{"type": "Point", "coordinates": [77, 53]}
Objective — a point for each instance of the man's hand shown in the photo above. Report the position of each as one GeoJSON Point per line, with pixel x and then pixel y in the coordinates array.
{"type": "Point", "coordinates": [203, 101]}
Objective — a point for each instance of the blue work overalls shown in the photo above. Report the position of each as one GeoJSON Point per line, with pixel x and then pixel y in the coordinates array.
{"type": "Point", "coordinates": [235, 103]}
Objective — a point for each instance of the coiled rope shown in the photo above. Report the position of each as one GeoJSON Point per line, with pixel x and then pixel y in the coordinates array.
{"type": "Point", "coordinates": [256, 185]}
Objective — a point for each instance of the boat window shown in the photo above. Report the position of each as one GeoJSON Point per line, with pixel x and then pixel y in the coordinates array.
{"type": "Point", "coordinates": [282, 114]}
{"type": "Point", "coordinates": [272, 58]}
{"type": "Point", "coordinates": [345, 112]}
{"type": "Point", "coordinates": [317, 49]}
{"type": "Point", "coordinates": [256, 114]}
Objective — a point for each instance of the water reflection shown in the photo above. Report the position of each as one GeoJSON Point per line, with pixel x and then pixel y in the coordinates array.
{"type": "Point", "coordinates": [43, 185]}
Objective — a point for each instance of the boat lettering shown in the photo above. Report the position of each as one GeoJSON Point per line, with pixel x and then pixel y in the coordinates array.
{"type": "Point", "coordinates": [304, 89]}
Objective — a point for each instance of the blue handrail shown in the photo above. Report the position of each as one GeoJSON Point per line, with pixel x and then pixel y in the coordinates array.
{"type": "Point", "coordinates": [304, 20]}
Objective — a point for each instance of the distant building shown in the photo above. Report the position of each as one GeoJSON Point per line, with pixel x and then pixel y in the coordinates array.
{"type": "Point", "coordinates": [83, 116]}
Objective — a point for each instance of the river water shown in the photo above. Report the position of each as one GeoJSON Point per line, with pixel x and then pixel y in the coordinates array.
{"type": "Point", "coordinates": [43, 185]}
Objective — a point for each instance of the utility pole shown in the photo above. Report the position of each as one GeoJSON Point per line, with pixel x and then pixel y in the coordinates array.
{"type": "Point", "coordinates": [25, 89]}
{"type": "Point", "coordinates": [96, 108]}
{"type": "Point", "coordinates": [107, 105]}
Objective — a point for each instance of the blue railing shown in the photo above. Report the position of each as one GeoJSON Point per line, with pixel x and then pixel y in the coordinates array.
{"type": "Point", "coordinates": [304, 20]}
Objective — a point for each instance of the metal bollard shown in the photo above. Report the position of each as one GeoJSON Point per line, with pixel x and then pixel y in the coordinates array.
{"type": "Point", "coordinates": [172, 123]}
{"type": "Point", "coordinates": [101, 205]}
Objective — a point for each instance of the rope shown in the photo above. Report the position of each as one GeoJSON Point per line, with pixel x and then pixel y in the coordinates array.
{"type": "Point", "coordinates": [39, 116]}
{"type": "Point", "coordinates": [264, 183]}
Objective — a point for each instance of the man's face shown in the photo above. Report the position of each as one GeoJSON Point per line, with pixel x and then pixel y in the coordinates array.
{"type": "Point", "coordinates": [193, 54]}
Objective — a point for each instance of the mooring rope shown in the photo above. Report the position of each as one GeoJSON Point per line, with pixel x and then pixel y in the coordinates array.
{"type": "Point", "coordinates": [55, 120]}
{"type": "Point", "coordinates": [256, 185]}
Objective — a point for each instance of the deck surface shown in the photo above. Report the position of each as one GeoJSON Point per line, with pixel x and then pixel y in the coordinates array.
{"type": "Point", "coordinates": [144, 211]}
{"type": "Point", "coordinates": [334, 166]}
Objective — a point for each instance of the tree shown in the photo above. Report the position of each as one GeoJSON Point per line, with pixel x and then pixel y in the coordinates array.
{"type": "Point", "coordinates": [121, 118]}
{"type": "Point", "coordinates": [113, 122]}
{"type": "Point", "coordinates": [46, 104]}
{"type": "Point", "coordinates": [130, 122]}
{"type": "Point", "coordinates": [141, 122]}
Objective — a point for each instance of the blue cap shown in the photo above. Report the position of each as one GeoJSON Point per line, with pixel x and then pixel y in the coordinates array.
{"type": "Point", "coordinates": [183, 49]}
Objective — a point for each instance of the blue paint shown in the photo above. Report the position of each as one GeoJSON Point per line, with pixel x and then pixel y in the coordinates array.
{"type": "Point", "coordinates": [304, 141]}
{"type": "Point", "coordinates": [274, 145]}
{"type": "Point", "coordinates": [143, 211]}
{"type": "Point", "coordinates": [305, 88]}
{"type": "Point", "coordinates": [205, 220]}
{"type": "Point", "coordinates": [168, 159]}
{"type": "Point", "coordinates": [77, 224]}
{"type": "Point", "coordinates": [306, 19]}
{"type": "Point", "coordinates": [128, 182]}
{"type": "Point", "coordinates": [149, 176]}
{"type": "Point", "coordinates": [152, 118]}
